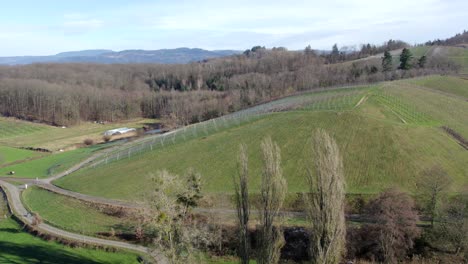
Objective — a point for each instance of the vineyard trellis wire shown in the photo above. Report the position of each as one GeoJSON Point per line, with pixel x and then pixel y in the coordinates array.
{"type": "Point", "coordinates": [332, 100]}
{"type": "Point", "coordinates": [407, 113]}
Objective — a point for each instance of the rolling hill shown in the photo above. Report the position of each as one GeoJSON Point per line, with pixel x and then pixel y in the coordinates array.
{"type": "Point", "coordinates": [388, 133]}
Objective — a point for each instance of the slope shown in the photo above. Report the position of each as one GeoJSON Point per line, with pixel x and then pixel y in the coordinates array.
{"type": "Point", "coordinates": [386, 141]}
{"type": "Point", "coordinates": [20, 247]}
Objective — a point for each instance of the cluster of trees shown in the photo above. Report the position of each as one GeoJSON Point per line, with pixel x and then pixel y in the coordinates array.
{"type": "Point", "coordinates": [65, 94]}
{"type": "Point", "coordinates": [369, 49]}
{"type": "Point", "coordinates": [349, 53]}
{"type": "Point", "coordinates": [64, 104]}
{"type": "Point", "coordinates": [390, 232]}
{"type": "Point", "coordinates": [406, 61]}
{"type": "Point", "coordinates": [460, 38]}
{"type": "Point", "coordinates": [391, 217]}
{"type": "Point", "coordinates": [168, 218]}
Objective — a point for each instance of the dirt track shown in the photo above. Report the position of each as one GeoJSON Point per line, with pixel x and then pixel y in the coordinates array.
{"type": "Point", "coordinates": [16, 206]}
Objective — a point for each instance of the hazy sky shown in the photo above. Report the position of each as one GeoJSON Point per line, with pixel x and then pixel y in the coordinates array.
{"type": "Point", "coordinates": [48, 27]}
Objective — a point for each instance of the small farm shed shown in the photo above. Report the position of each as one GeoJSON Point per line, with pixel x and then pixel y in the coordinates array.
{"type": "Point", "coordinates": [119, 131]}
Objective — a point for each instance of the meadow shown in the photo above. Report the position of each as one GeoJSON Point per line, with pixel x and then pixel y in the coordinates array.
{"type": "Point", "coordinates": [20, 247]}
{"type": "Point", "coordinates": [32, 164]}
{"type": "Point", "coordinates": [48, 164]}
{"type": "Point", "coordinates": [340, 99]}
{"type": "Point", "coordinates": [386, 141]}
{"type": "Point", "coordinates": [458, 55]}
{"type": "Point", "coordinates": [73, 215]}
{"type": "Point", "coordinates": [18, 133]}
{"type": "Point", "coordinates": [10, 155]}
{"type": "Point", "coordinates": [448, 84]}
{"type": "Point", "coordinates": [448, 109]}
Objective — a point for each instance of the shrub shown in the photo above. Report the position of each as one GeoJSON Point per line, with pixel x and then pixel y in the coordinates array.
{"type": "Point", "coordinates": [106, 138]}
{"type": "Point", "coordinates": [391, 228]}
{"type": "Point", "coordinates": [112, 232]}
{"type": "Point", "coordinates": [451, 230]}
{"type": "Point", "coordinates": [37, 219]}
{"type": "Point", "coordinates": [88, 142]}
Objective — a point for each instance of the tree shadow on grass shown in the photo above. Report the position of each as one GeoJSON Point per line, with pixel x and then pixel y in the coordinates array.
{"type": "Point", "coordinates": [10, 230]}
{"type": "Point", "coordinates": [19, 253]}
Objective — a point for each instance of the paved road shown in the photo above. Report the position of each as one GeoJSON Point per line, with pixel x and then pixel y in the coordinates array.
{"type": "Point", "coordinates": [18, 209]}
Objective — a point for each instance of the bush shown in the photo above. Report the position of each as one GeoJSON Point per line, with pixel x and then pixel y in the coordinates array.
{"type": "Point", "coordinates": [88, 142]}
{"type": "Point", "coordinates": [391, 229]}
{"type": "Point", "coordinates": [450, 232]}
{"type": "Point", "coordinates": [37, 219]}
{"type": "Point", "coordinates": [106, 138]}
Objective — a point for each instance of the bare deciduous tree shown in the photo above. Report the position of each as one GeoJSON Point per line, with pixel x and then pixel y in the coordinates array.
{"type": "Point", "coordinates": [273, 192]}
{"type": "Point", "coordinates": [242, 204]}
{"type": "Point", "coordinates": [326, 202]}
{"type": "Point", "coordinates": [393, 225]}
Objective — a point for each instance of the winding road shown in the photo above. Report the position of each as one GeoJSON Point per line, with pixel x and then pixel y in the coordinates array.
{"type": "Point", "coordinates": [13, 194]}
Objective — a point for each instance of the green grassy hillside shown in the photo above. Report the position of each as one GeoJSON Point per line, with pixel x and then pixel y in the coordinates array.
{"type": "Point", "coordinates": [420, 51]}
{"type": "Point", "coordinates": [71, 214]}
{"type": "Point", "coordinates": [12, 128]}
{"type": "Point", "coordinates": [9, 155]}
{"type": "Point", "coordinates": [447, 110]}
{"type": "Point", "coordinates": [458, 55]}
{"type": "Point", "coordinates": [17, 133]}
{"type": "Point", "coordinates": [386, 141]}
{"type": "Point", "coordinates": [20, 247]}
{"type": "Point", "coordinates": [447, 84]}
{"type": "Point", "coordinates": [49, 164]}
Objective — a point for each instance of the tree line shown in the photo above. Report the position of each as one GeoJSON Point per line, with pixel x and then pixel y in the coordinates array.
{"type": "Point", "coordinates": [351, 53]}
{"type": "Point", "coordinates": [66, 94]}
{"type": "Point", "coordinates": [459, 38]}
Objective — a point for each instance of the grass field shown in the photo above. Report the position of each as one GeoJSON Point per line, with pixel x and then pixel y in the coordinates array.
{"type": "Point", "coordinates": [49, 164]}
{"type": "Point", "coordinates": [458, 55]}
{"type": "Point", "coordinates": [446, 110]}
{"type": "Point", "coordinates": [71, 214]}
{"type": "Point", "coordinates": [379, 149]}
{"type": "Point", "coordinates": [420, 51]}
{"type": "Point", "coordinates": [20, 247]}
{"type": "Point", "coordinates": [11, 128]}
{"type": "Point", "coordinates": [334, 100]}
{"type": "Point", "coordinates": [447, 84]}
{"type": "Point", "coordinates": [9, 155]}
{"type": "Point", "coordinates": [17, 133]}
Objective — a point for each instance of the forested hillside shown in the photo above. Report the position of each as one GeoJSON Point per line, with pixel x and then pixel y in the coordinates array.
{"type": "Point", "coordinates": [179, 55]}
{"type": "Point", "coordinates": [65, 94]}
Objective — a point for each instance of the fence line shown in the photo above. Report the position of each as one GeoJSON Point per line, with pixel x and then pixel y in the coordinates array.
{"type": "Point", "coordinates": [331, 100]}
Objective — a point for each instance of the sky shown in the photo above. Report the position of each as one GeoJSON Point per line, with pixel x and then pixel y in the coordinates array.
{"type": "Point", "coordinates": [48, 27]}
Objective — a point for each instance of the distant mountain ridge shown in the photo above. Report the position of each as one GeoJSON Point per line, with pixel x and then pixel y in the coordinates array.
{"type": "Point", "coordinates": [164, 56]}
